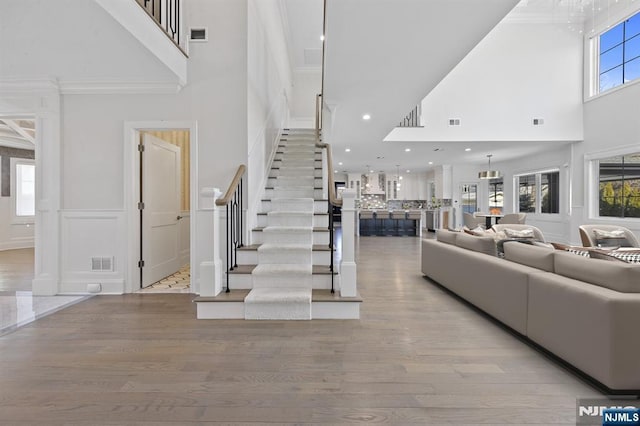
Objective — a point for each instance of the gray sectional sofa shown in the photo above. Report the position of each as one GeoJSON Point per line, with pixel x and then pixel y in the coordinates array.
{"type": "Point", "coordinates": [585, 311]}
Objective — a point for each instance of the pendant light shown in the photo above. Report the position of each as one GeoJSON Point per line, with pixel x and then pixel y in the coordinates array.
{"type": "Point", "coordinates": [489, 174]}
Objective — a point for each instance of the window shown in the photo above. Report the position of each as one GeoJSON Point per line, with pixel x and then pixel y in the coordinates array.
{"type": "Point", "coordinates": [469, 198]}
{"type": "Point", "coordinates": [496, 196]}
{"type": "Point", "coordinates": [24, 194]}
{"type": "Point", "coordinates": [619, 186]}
{"type": "Point", "coordinates": [527, 194]}
{"type": "Point", "coordinates": [619, 54]}
{"type": "Point", "coordinates": [550, 192]}
{"type": "Point", "coordinates": [539, 192]}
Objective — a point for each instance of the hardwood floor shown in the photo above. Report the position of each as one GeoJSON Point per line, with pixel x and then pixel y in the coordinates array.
{"type": "Point", "coordinates": [16, 270]}
{"type": "Point", "coordinates": [417, 356]}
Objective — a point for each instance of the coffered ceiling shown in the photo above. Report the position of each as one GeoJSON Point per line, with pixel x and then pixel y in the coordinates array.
{"type": "Point", "coordinates": [17, 133]}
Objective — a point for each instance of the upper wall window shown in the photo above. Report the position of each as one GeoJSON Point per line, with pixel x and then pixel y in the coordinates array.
{"type": "Point", "coordinates": [539, 192]}
{"type": "Point", "coordinates": [619, 186]}
{"type": "Point", "coordinates": [619, 54]}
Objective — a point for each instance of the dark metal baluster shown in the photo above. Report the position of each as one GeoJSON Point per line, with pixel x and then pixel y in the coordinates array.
{"type": "Point", "coordinates": [240, 219]}
{"type": "Point", "coordinates": [228, 246]}
{"type": "Point", "coordinates": [331, 242]}
{"type": "Point", "coordinates": [235, 229]}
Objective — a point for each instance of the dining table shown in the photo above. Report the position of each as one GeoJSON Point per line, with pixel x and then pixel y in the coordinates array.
{"type": "Point", "coordinates": [490, 219]}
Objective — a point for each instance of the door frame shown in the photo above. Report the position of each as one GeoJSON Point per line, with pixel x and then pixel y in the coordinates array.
{"type": "Point", "coordinates": [40, 98]}
{"type": "Point", "coordinates": [131, 140]}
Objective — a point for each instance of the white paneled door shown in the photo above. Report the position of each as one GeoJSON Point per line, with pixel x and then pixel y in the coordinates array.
{"type": "Point", "coordinates": [161, 212]}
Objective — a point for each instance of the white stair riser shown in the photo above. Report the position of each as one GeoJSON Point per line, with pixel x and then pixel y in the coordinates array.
{"type": "Point", "coordinates": [319, 206]}
{"type": "Point", "coordinates": [250, 257]}
{"type": "Point", "coordinates": [296, 171]}
{"type": "Point", "coordinates": [287, 237]}
{"type": "Point", "coordinates": [299, 257]}
{"type": "Point", "coordinates": [277, 311]}
{"type": "Point", "coordinates": [281, 181]}
{"type": "Point", "coordinates": [293, 193]}
{"type": "Point", "coordinates": [282, 220]}
{"type": "Point", "coordinates": [299, 147]}
{"type": "Point", "coordinates": [282, 281]}
{"type": "Point", "coordinates": [298, 156]}
{"type": "Point", "coordinates": [319, 221]}
{"type": "Point", "coordinates": [245, 282]}
{"type": "Point", "coordinates": [287, 205]}
{"type": "Point", "coordinates": [257, 237]}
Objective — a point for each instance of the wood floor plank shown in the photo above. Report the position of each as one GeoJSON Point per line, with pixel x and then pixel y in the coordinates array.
{"type": "Point", "coordinates": [417, 356]}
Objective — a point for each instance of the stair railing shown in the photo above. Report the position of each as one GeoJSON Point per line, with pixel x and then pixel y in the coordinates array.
{"type": "Point", "coordinates": [412, 119]}
{"type": "Point", "coordinates": [166, 14]}
{"type": "Point", "coordinates": [233, 199]}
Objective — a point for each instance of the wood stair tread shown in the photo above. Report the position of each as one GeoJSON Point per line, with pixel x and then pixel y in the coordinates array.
{"type": "Point", "coordinates": [254, 247]}
{"type": "Point", "coordinates": [317, 295]}
{"type": "Point", "coordinates": [248, 269]}
{"type": "Point", "coordinates": [315, 229]}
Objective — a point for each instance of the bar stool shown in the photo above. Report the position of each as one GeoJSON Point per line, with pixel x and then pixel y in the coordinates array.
{"type": "Point", "coordinates": [415, 216]}
{"type": "Point", "coordinates": [397, 216]}
{"type": "Point", "coordinates": [366, 225]}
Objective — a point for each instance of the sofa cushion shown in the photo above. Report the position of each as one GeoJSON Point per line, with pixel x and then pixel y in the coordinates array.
{"type": "Point", "coordinates": [530, 255]}
{"type": "Point", "coordinates": [446, 236]}
{"type": "Point", "coordinates": [480, 244]}
{"type": "Point", "coordinates": [619, 276]}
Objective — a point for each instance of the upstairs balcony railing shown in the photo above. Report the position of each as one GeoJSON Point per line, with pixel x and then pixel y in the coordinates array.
{"type": "Point", "coordinates": [167, 15]}
{"type": "Point", "coordinates": [412, 119]}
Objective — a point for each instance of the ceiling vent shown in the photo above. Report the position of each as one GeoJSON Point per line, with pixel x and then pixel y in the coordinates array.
{"type": "Point", "coordinates": [454, 122]}
{"type": "Point", "coordinates": [538, 121]}
{"type": "Point", "coordinates": [198, 34]}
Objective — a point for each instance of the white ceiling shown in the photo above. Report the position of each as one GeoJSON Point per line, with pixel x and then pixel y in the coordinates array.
{"type": "Point", "coordinates": [304, 20]}
{"type": "Point", "coordinates": [382, 58]}
{"type": "Point", "coordinates": [17, 133]}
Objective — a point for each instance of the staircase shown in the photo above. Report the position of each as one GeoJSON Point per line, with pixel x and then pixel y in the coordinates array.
{"type": "Point", "coordinates": [282, 280]}
{"type": "Point", "coordinates": [286, 274]}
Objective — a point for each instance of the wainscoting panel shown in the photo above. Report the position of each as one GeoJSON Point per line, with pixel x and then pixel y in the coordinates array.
{"type": "Point", "coordinates": [92, 251]}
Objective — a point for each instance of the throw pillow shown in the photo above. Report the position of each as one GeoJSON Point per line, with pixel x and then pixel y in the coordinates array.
{"type": "Point", "coordinates": [523, 233]}
{"type": "Point", "coordinates": [614, 238]}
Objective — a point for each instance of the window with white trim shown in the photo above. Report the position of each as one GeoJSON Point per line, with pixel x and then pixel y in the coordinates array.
{"type": "Point", "coordinates": [23, 188]}
{"type": "Point", "coordinates": [538, 192]}
{"type": "Point", "coordinates": [619, 186]}
{"type": "Point", "coordinates": [617, 55]}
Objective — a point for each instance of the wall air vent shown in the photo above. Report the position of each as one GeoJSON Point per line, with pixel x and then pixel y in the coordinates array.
{"type": "Point", "coordinates": [198, 34]}
{"type": "Point", "coordinates": [538, 121]}
{"type": "Point", "coordinates": [102, 263]}
{"type": "Point", "coordinates": [454, 122]}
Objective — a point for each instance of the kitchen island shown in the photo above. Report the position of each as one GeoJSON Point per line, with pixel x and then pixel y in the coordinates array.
{"type": "Point", "coordinates": [390, 222]}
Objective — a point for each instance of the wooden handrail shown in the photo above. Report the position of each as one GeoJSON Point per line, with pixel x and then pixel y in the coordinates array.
{"type": "Point", "coordinates": [333, 198]}
{"type": "Point", "coordinates": [232, 186]}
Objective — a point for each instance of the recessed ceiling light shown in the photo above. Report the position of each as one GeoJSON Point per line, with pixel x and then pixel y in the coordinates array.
{"type": "Point", "coordinates": [430, 162]}
{"type": "Point", "coordinates": [400, 177]}
{"type": "Point", "coordinates": [408, 171]}
{"type": "Point", "coordinates": [467, 149]}
{"type": "Point", "coordinates": [347, 150]}
{"type": "Point", "coordinates": [366, 117]}
{"type": "Point", "coordinates": [407, 150]}
{"type": "Point", "coordinates": [370, 171]}
{"type": "Point", "coordinates": [335, 171]}
{"type": "Point", "coordinates": [340, 163]}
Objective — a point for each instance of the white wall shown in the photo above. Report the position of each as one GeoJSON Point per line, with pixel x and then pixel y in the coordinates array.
{"type": "Point", "coordinates": [306, 84]}
{"type": "Point", "coordinates": [92, 142]}
{"type": "Point", "coordinates": [517, 72]}
{"type": "Point", "coordinates": [268, 90]}
{"type": "Point", "coordinates": [75, 41]}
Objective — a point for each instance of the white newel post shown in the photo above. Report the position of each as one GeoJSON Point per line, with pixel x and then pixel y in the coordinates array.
{"type": "Point", "coordinates": [348, 271]}
{"type": "Point", "coordinates": [211, 270]}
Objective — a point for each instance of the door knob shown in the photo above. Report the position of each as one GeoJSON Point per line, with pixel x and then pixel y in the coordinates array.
{"type": "Point", "coordinates": [179, 217]}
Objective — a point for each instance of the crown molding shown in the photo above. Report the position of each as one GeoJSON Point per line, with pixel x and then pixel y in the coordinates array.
{"type": "Point", "coordinates": [28, 85]}
{"type": "Point", "coordinates": [118, 88]}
